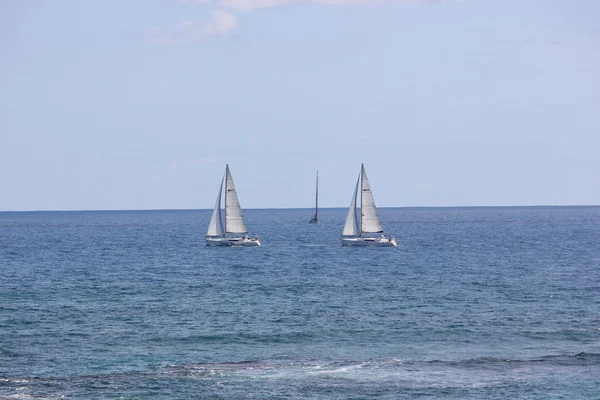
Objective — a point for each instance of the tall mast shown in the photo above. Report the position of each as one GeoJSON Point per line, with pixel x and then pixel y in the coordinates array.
{"type": "Point", "coordinates": [317, 197]}
{"type": "Point", "coordinates": [362, 171]}
{"type": "Point", "coordinates": [225, 202]}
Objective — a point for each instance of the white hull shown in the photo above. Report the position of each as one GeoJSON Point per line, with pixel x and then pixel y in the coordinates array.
{"type": "Point", "coordinates": [232, 241]}
{"type": "Point", "coordinates": [369, 241]}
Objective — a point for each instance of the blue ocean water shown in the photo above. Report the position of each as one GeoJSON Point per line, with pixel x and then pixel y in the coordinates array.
{"type": "Point", "coordinates": [474, 303]}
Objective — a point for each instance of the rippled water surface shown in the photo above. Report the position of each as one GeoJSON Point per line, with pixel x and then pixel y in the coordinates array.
{"type": "Point", "coordinates": [474, 303]}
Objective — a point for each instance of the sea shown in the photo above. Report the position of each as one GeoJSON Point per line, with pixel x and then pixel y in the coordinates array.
{"type": "Point", "coordinates": [474, 303]}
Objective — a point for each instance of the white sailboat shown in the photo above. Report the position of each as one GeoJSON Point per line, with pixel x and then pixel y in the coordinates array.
{"type": "Point", "coordinates": [366, 231]}
{"type": "Point", "coordinates": [315, 218]}
{"type": "Point", "coordinates": [234, 231]}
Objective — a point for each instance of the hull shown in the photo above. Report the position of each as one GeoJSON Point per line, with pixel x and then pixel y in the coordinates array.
{"type": "Point", "coordinates": [369, 241]}
{"type": "Point", "coordinates": [314, 220]}
{"type": "Point", "coordinates": [233, 241]}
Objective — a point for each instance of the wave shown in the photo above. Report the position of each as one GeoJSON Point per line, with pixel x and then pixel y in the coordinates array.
{"type": "Point", "coordinates": [393, 368]}
{"type": "Point", "coordinates": [312, 367]}
{"type": "Point", "coordinates": [482, 377]}
{"type": "Point", "coordinates": [578, 359]}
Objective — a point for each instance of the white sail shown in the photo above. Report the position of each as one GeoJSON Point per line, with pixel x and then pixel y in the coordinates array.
{"type": "Point", "coordinates": [370, 222]}
{"type": "Point", "coordinates": [351, 226]}
{"type": "Point", "coordinates": [234, 220]}
{"type": "Point", "coordinates": [215, 228]}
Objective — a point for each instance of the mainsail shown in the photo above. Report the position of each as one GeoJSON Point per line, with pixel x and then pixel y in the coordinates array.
{"type": "Point", "coordinates": [370, 222]}
{"type": "Point", "coordinates": [234, 220]}
{"type": "Point", "coordinates": [215, 228]}
{"type": "Point", "coordinates": [351, 226]}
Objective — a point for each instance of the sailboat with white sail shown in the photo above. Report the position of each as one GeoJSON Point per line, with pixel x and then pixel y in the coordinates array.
{"type": "Point", "coordinates": [366, 230]}
{"type": "Point", "coordinates": [233, 232]}
{"type": "Point", "coordinates": [315, 218]}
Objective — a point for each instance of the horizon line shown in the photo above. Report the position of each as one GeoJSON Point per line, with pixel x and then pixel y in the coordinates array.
{"type": "Point", "coordinates": [301, 208]}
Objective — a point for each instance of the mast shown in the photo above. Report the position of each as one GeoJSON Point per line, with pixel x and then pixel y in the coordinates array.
{"type": "Point", "coordinates": [362, 179]}
{"type": "Point", "coordinates": [225, 200]}
{"type": "Point", "coordinates": [317, 197]}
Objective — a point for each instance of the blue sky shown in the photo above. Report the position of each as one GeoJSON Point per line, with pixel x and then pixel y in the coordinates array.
{"type": "Point", "coordinates": [139, 104]}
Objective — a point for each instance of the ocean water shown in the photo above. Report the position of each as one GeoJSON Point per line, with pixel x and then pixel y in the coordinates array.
{"type": "Point", "coordinates": [474, 303]}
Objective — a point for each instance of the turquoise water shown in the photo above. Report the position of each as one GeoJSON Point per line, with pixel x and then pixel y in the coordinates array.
{"type": "Point", "coordinates": [474, 303]}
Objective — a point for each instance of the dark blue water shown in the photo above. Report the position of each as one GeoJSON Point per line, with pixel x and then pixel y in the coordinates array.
{"type": "Point", "coordinates": [474, 303]}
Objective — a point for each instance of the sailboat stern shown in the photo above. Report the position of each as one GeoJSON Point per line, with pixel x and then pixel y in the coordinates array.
{"type": "Point", "coordinates": [245, 241]}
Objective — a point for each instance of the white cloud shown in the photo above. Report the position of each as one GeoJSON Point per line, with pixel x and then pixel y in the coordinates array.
{"type": "Point", "coordinates": [195, 1]}
{"type": "Point", "coordinates": [245, 5]}
{"type": "Point", "coordinates": [221, 23]}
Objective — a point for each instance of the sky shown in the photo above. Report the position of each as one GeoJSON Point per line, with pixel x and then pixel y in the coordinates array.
{"type": "Point", "coordinates": [140, 104]}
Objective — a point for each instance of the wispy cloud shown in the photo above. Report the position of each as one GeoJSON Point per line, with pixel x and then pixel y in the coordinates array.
{"type": "Point", "coordinates": [221, 23]}
{"type": "Point", "coordinates": [196, 1]}
{"type": "Point", "coordinates": [246, 5]}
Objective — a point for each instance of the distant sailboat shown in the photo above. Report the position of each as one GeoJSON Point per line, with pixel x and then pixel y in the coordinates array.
{"type": "Point", "coordinates": [228, 234]}
{"type": "Point", "coordinates": [359, 232]}
{"type": "Point", "coordinates": [315, 218]}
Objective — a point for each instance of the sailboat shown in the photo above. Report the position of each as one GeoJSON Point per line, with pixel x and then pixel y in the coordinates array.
{"type": "Point", "coordinates": [234, 231]}
{"type": "Point", "coordinates": [315, 218]}
{"type": "Point", "coordinates": [362, 232]}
